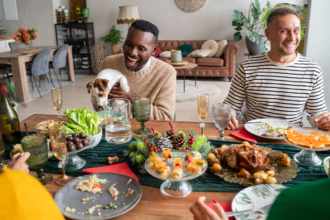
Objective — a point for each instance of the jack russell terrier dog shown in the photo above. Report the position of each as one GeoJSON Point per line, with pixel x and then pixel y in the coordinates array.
{"type": "Point", "coordinates": [101, 86]}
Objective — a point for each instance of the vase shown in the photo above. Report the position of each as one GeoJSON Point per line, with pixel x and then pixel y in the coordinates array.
{"type": "Point", "coordinates": [28, 44]}
{"type": "Point", "coordinates": [85, 12]}
{"type": "Point", "coordinates": [176, 56]}
{"type": "Point", "coordinates": [254, 48]}
{"type": "Point", "coordinates": [115, 48]}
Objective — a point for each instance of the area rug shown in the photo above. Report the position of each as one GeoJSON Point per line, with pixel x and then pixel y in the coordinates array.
{"type": "Point", "coordinates": [192, 91]}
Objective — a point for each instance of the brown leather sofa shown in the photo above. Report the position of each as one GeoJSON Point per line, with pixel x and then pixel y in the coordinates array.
{"type": "Point", "coordinates": [207, 66]}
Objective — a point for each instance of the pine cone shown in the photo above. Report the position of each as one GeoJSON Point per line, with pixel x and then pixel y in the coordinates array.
{"type": "Point", "coordinates": [145, 152]}
{"type": "Point", "coordinates": [170, 134]}
{"type": "Point", "coordinates": [164, 142]}
{"type": "Point", "coordinates": [179, 141]}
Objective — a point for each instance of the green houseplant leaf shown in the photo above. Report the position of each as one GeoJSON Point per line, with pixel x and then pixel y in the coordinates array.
{"type": "Point", "coordinates": [114, 36]}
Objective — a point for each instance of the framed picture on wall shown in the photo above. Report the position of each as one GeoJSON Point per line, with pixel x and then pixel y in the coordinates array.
{"type": "Point", "coordinates": [76, 7]}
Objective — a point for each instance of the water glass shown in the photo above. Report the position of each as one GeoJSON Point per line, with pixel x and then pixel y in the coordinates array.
{"type": "Point", "coordinates": [117, 113]}
{"type": "Point", "coordinates": [221, 117]}
{"type": "Point", "coordinates": [36, 145]}
{"type": "Point", "coordinates": [142, 108]}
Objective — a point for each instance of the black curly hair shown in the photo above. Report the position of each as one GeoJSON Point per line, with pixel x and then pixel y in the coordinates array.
{"type": "Point", "coordinates": [146, 26]}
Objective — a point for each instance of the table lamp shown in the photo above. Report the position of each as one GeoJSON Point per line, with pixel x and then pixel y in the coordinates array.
{"type": "Point", "coordinates": [128, 14]}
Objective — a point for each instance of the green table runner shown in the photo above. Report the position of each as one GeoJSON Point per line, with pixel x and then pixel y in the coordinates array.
{"type": "Point", "coordinates": [98, 157]}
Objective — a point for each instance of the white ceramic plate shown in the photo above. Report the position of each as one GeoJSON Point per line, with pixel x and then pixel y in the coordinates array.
{"type": "Point", "coordinates": [258, 131]}
{"type": "Point", "coordinates": [86, 67]}
{"type": "Point", "coordinates": [306, 131]}
{"type": "Point", "coordinates": [256, 196]}
{"type": "Point", "coordinates": [85, 62]}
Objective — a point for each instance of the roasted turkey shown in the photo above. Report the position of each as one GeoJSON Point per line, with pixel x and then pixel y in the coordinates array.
{"type": "Point", "coordinates": [246, 156]}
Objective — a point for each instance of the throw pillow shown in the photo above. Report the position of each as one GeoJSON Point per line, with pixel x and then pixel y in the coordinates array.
{"type": "Point", "coordinates": [158, 51]}
{"type": "Point", "coordinates": [222, 45]}
{"type": "Point", "coordinates": [199, 53]}
{"type": "Point", "coordinates": [186, 49]}
{"type": "Point", "coordinates": [165, 54]}
{"type": "Point", "coordinates": [210, 45]}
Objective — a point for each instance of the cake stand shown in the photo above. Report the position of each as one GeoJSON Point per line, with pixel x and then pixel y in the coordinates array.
{"type": "Point", "coordinates": [176, 188]}
{"type": "Point", "coordinates": [308, 156]}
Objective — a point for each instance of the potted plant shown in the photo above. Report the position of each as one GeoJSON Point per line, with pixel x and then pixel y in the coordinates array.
{"type": "Point", "coordinates": [114, 38]}
{"type": "Point", "coordinates": [255, 33]}
{"type": "Point", "coordinates": [26, 37]}
{"type": "Point", "coordinates": [299, 10]}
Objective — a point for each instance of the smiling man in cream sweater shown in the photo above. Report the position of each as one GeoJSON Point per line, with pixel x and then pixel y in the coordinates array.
{"type": "Point", "coordinates": [147, 76]}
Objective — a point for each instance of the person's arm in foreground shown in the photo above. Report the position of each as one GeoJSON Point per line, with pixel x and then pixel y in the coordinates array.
{"type": "Point", "coordinates": [203, 212]}
{"type": "Point", "coordinates": [236, 96]}
{"type": "Point", "coordinates": [18, 163]}
{"type": "Point", "coordinates": [316, 107]}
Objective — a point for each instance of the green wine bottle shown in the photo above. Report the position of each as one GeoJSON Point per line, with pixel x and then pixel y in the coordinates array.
{"type": "Point", "coordinates": [11, 132]}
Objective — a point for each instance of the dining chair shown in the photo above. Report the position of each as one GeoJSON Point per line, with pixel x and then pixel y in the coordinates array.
{"type": "Point", "coordinates": [59, 61]}
{"type": "Point", "coordinates": [40, 66]}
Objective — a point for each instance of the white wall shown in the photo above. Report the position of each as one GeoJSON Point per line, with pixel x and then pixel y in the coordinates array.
{"type": "Point", "coordinates": [317, 40]}
{"type": "Point", "coordinates": [33, 13]}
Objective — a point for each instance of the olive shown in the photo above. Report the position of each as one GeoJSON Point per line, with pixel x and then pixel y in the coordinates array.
{"type": "Point", "coordinates": [79, 146]}
{"type": "Point", "coordinates": [85, 142]}
{"type": "Point", "coordinates": [87, 138]}
{"type": "Point", "coordinates": [82, 135]}
{"type": "Point", "coordinates": [71, 148]}
{"type": "Point", "coordinates": [74, 135]}
{"type": "Point", "coordinates": [69, 138]}
{"type": "Point", "coordinates": [76, 140]}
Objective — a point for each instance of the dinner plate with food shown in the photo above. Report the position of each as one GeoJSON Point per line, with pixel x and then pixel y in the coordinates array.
{"type": "Point", "coordinates": [176, 168]}
{"type": "Point", "coordinates": [255, 197]}
{"type": "Point", "coordinates": [269, 128]}
{"type": "Point", "coordinates": [250, 164]}
{"type": "Point", "coordinates": [98, 196]}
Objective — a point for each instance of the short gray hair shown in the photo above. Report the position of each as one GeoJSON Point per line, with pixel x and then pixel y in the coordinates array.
{"type": "Point", "coordinates": [281, 11]}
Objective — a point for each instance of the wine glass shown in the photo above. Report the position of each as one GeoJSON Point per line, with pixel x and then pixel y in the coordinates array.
{"type": "Point", "coordinates": [57, 140]}
{"type": "Point", "coordinates": [57, 100]}
{"type": "Point", "coordinates": [142, 108]}
{"type": "Point", "coordinates": [221, 117]}
{"type": "Point", "coordinates": [36, 145]}
{"type": "Point", "coordinates": [203, 109]}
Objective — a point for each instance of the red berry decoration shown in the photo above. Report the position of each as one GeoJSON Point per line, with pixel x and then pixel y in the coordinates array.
{"type": "Point", "coordinates": [151, 149]}
{"type": "Point", "coordinates": [153, 135]}
{"type": "Point", "coordinates": [187, 158]}
{"type": "Point", "coordinates": [177, 165]}
{"type": "Point", "coordinates": [145, 142]}
{"type": "Point", "coordinates": [170, 156]}
{"type": "Point", "coordinates": [156, 150]}
{"type": "Point", "coordinates": [142, 138]}
{"type": "Point", "coordinates": [149, 145]}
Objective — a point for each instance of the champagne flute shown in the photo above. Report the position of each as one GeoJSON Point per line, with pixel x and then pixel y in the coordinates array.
{"type": "Point", "coordinates": [221, 117]}
{"type": "Point", "coordinates": [203, 109]}
{"type": "Point", "coordinates": [57, 100]}
{"type": "Point", "coordinates": [57, 139]}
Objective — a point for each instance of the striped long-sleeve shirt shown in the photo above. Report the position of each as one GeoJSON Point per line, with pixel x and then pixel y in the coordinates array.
{"type": "Point", "coordinates": [278, 90]}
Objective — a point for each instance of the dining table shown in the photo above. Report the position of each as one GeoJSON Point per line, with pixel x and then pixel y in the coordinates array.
{"type": "Point", "coordinates": [152, 204]}
{"type": "Point", "coordinates": [18, 60]}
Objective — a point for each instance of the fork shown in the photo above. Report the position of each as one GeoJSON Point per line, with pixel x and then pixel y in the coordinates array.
{"type": "Point", "coordinates": [262, 210]}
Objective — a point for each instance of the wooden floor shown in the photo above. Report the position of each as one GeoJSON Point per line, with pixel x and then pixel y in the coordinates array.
{"type": "Point", "coordinates": [76, 96]}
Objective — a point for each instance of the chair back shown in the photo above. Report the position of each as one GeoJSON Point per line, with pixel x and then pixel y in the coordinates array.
{"type": "Point", "coordinates": [59, 59]}
{"type": "Point", "coordinates": [40, 65]}
{"type": "Point", "coordinates": [16, 46]}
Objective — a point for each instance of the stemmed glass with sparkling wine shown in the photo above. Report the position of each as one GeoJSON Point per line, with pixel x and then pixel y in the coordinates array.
{"type": "Point", "coordinates": [36, 145]}
{"type": "Point", "coordinates": [57, 100]}
{"type": "Point", "coordinates": [142, 108]}
{"type": "Point", "coordinates": [203, 109]}
{"type": "Point", "coordinates": [221, 117]}
{"type": "Point", "coordinates": [57, 140]}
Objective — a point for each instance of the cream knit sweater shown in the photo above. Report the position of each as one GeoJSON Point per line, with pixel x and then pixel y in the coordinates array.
{"type": "Point", "coordinates": [156, 83]}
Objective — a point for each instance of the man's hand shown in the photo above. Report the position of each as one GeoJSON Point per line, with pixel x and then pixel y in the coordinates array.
{"type": "Point", "coordinates": [323, 121]}
{"type": "Point", "coordinates": [233, 124]}
{"type": "Point", "coordinates": [203, 212]}
{"type": "Point", "coordinates": [18, 163]}
{"type": "Point", "coordinates": [117, 92]}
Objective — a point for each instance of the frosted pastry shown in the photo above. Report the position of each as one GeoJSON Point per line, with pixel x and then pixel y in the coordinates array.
{"type": "Point", "coordinates": [167, 154]}
{"type": "Point", "coordinates": [177, 172]}
{"type": "Point", "coordinates": [165, 172]}
{"type": "Point", "coordinates": [200, 162]}
{"type": "Point", "coordinates": [177, 162]}
{"type": "Point", "coordinates": [156, 165]}
{"type": "Point", "coordinates": [193, 155]}
{"type": "Point", "coordinates": [193, 168]}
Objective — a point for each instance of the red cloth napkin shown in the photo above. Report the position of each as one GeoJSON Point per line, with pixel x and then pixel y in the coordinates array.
{"type": "Point", "coordinates": [121, 168]}
{"type": "Point", "coordinates": [226, 206]}
{"type": "Point", "coordinates": [243, 134]}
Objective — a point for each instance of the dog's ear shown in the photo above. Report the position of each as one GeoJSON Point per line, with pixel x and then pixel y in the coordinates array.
{"type": "Point", "coordinates": [89, 86]}
{"type": "Point", "coordinates": [103, 84]}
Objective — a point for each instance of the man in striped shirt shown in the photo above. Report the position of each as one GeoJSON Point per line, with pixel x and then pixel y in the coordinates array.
{"type": "Point", "coordinates": [280, 83]}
